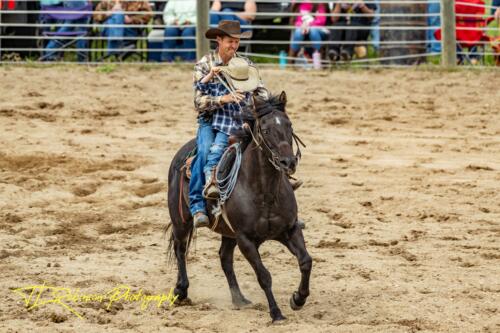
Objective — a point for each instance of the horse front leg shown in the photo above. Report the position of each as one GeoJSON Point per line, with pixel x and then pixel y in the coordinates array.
{"type": "Point", "coordinates": [294, 241]}
{"type": "Point", "coordinates": [226, 253]}
{"type": "Point", "coordinates": [251, 253]}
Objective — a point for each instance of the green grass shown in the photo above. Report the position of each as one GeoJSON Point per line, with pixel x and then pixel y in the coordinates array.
{"type": "Point", "coordinates": [106, 68]}
{"type": "Point", "coordinates": [263, 60]}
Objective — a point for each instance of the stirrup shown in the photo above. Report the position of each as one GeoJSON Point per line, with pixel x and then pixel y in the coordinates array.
{"type": "Point", "coordinates": [210, 191]}
{"type": "Point", "coordinates": [200, 220]}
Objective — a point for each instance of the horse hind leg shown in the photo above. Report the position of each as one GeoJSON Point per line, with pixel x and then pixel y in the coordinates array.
{"type": "Point", "coordinates": [226, 258]}
{"type": "Point", "coordinates": [251, 253]}
{"type": "Point", "coordinates": [294, 241]}
{"type": "Point", "coordinates": [181, 239]}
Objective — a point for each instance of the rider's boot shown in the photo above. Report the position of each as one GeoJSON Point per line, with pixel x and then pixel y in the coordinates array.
{"type": "Point", "coordinates": [200, 219]}
{"type": "Point", "coordinates": [210, 191]}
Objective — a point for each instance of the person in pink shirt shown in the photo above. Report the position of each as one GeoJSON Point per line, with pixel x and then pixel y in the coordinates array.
{"type": "Point", "coordinates": [310, 23]}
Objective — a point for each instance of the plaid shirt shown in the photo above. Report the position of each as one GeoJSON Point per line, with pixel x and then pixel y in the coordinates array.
{"type": "Point", "coordinates": [207, 96]}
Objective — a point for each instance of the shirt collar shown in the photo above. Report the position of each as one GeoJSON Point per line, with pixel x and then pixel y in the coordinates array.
{"type": "Point", "coordinates": [217, 59]}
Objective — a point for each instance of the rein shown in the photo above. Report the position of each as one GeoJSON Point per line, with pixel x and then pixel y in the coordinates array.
{"type": "Point", "coordinates": [259, 138]}
{"type": "Point", "coordinates": [260, 141]}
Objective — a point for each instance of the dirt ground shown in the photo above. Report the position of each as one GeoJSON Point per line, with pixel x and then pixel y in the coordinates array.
{"type": "Point", "coordinates": [401, 201]}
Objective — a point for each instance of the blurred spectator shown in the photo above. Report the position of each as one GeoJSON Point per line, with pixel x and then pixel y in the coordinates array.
{"type": "Point", "coordinates": [114, 12]}
{"type": "Point", "coordinates": [433, 21]}
{"type": "Point", "coordinates": [179, 15]}
{"type": "Point", "coordinates": [50, 2]}
{"type": "Point", "coordinates": [66, 28]}
{"type": "Point", "coordinates": [363, 17]}
{"type": "Point", "coordinates": [230, 10]}
{"type": "Point", "coordinates": [309, 24]}
{"type": "Point", "coordinates": [496, 41]}
{"type": "Point", "coordinates": [496, 10]}
{"type": "Point", "coordinates": [375, 32]}
{"type": "Point", "coordinates": [159, 8]}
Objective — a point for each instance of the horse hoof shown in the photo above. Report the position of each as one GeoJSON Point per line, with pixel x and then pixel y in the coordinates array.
{"type": "Point", "coordinates": [241, 302]}
{"type": "Point", "coordinates": [183, 302]}
{"type": "Point", "coordinates": [181, 294]}
{"type": "Point", "coordinates": [293, 304]}
{"type": "Point", "coordinates": [279, 320]}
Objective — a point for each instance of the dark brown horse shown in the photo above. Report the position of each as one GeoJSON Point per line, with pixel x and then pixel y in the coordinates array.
{"type": "Point", "coordinates": [262, 206]}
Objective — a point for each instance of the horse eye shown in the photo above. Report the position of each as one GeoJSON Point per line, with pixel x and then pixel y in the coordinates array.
{"type": "Point", "coordinates": [265, 131]}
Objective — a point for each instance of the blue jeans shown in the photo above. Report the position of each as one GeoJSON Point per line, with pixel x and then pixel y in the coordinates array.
{"type": "Point", "coordinates": [185, 44]}
{"type": "Point", "coordinates": [227, 14]}
{"type": "Point", "coordinates": [435, 45]}
{"type": "Point", "coordinates": [56, 44]}
{"type": "Point", "coordinates": [204, 139]}
{"type": "Point", "coordinates": [315, 35]}
{"type": "Point", "coordinates": [221, 141]}
{"type": "Point", "coordinates": [115, 34]}
{"type": "Point", "coordinates": [375, 32]}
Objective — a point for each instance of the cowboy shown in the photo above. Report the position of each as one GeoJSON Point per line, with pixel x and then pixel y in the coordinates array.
{"type": "Point", "coordinates": [218, 109]}
{"type": "Point", "coordinates": [224, 83]}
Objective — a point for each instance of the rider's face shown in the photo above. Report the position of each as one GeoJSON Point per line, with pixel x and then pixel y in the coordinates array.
{"type": "Point", "coordinates": [228, 46]}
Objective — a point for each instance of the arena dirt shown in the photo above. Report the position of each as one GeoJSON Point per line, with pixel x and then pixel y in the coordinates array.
{"type": "Point", "coordinates": [401, 201]}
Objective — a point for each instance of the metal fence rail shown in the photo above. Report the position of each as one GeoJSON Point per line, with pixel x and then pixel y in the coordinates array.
{"type": "Point", "coordinates": [409, 32]}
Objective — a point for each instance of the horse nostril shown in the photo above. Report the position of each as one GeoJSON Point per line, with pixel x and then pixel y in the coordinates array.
{"type": "Point", "coordinates": [285, 162]}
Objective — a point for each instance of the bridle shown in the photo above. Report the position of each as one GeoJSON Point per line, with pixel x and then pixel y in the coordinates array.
{"type": "Point", "coordinates": [261, 143]}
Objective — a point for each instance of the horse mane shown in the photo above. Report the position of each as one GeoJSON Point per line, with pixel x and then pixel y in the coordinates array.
{"type": "Point", "coordinates": [265, 103]}
{"type": "Point", "coordinates": [264, 106]}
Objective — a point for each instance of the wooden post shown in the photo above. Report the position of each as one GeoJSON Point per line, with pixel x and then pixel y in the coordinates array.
{"type": "Point", "coordinates": [449, 39]}
{"type": "Point", "coordinates": [202, 17]}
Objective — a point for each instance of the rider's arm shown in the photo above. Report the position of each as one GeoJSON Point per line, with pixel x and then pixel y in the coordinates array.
{"type": "Point", "coordinates": [204, 101]}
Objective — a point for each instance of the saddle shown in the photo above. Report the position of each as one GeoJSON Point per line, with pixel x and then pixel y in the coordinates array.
{"type": "Point", "coordinates": [223, 167]}
{"type": "Point", "coordinates": [226, 175]}
{"type": "Point", "coordinates": [187, 166]}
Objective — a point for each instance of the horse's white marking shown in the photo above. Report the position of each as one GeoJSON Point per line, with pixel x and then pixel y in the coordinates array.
{"type": "Point", "coordinates": [278, 122]}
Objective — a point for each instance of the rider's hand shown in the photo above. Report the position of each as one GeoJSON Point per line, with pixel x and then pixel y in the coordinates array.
{"type": "Point", "coordinates": [497, 14]}
{"type": "Point", "coordinates": [211, 74]}
{"type": "Point", "coordinates": [237, 97]}
{"type": "Point", "coordinates": [214, 70]}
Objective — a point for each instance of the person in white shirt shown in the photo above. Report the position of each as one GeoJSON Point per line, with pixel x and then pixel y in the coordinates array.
{"type": "Point", "coordinates": [243, 11]}
{"type": "Point", "coordinates": [180, 32]}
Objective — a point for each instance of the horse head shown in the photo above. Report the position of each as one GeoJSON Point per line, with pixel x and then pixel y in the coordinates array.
{"type": "Point", "coordinates": [272, 129]}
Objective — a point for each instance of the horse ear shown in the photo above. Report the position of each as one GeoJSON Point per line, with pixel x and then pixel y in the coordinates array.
{"type": "Point", "coordinates": [282, 99]}
{"type": "Point", "coordinates": [253, 107]}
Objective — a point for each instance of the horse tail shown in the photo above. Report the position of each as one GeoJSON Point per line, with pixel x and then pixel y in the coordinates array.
{"type": "Point", "coordinates": [170, 247]}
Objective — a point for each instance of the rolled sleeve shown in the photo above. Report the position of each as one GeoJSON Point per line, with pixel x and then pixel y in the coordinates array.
{"type": "Point", "coordinates": [204, 102]}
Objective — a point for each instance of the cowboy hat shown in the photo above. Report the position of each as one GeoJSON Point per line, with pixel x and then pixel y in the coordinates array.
{"type": "Point", "coordinates": [227, 28]}
{"type": "Point", "coordinates": [241, 75]}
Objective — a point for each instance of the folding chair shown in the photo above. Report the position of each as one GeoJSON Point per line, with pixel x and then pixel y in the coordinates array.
{"type": "Point", "coordinates": [130, 47]}
{"type": "Point", "coordinates": [70, 35]}
{"type": "Point", "coordinates": [469, 30]}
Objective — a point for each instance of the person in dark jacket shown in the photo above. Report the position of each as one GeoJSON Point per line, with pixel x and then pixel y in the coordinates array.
{"type": "Point", "coordinates": [349, 14]}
